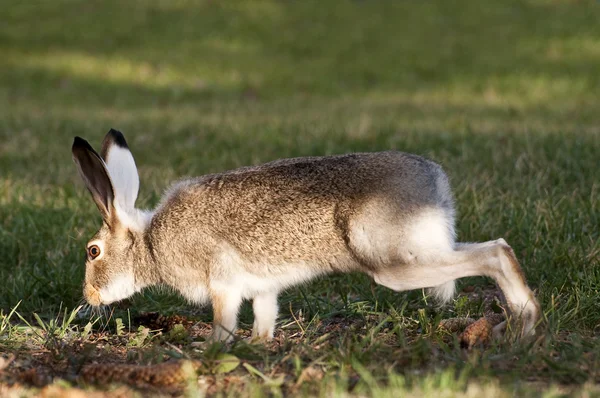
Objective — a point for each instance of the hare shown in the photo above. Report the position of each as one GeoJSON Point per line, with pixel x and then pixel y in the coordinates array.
{"type": "Point", "coordinates": [252, 232]}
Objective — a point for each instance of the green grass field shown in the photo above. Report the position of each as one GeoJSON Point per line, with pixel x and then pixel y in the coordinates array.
{"type": "Point", "coordinates": [505, 95]}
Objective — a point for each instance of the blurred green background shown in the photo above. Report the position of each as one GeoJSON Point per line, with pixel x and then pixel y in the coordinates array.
{"type": "Point", "coordinates": [504, 94]}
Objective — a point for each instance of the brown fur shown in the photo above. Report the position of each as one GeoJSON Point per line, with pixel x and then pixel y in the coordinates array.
{"type": "Point", "coordinates": [289, 211]}
{"type": "Point", "coordinates": [251, 232]}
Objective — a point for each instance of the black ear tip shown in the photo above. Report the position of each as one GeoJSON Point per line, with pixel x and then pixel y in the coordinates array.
{"type": "Point", "coordinates": [117, 137]}
{"type": "Point", "coordinates": [79, 142]}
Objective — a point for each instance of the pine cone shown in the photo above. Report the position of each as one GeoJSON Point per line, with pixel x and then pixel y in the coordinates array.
{"type": "Point", "coordinates": [455, 325]}
{"type": "Point", "coordinates": [479, 332]}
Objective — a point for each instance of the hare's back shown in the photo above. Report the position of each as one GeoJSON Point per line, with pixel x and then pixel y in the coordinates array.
{"type": "Point", "coordinates": [404, 180]}
{"type": "Point", "coordinates": [351, 174]}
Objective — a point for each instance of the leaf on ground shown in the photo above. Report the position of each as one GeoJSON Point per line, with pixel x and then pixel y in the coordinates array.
{"type": "Point", "coordinates": [226, 363]}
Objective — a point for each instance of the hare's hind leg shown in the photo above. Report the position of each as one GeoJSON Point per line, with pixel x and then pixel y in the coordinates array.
{"type": "Point", "coordinates": [265, 314]}
{"type": "Point", "coordinates": [494, 259]}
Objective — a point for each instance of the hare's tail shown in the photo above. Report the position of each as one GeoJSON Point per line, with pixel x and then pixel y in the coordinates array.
{"type": "Point", "coordinates": [444, 292]}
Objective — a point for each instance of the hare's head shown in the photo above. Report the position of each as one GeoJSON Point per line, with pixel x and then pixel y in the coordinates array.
{"type": "Point", "coordinates": [113, 181]}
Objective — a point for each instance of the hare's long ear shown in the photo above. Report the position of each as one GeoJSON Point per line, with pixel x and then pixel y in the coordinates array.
{"type": "Point", "coordinates": [121, 169]}
{"type": "Point", "coordinates": [93, 171]}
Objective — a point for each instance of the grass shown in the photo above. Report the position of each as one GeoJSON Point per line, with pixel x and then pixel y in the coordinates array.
{"type": "Point", "coordinates": [504, 94]}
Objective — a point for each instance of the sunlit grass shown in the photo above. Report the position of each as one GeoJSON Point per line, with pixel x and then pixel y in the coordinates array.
{"type": "Point", "coordinates": [504, 94]}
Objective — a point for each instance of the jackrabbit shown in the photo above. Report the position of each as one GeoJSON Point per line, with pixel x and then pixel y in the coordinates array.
{"type": "Point", "coordinates": [252, 232]}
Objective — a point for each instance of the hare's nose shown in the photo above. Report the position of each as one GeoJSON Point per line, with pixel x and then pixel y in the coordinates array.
{"type": "Point", "coordinates": [92, 295]}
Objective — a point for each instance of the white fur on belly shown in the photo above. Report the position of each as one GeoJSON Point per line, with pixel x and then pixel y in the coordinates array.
{"type": "Point", "coordinates": [267, 278]}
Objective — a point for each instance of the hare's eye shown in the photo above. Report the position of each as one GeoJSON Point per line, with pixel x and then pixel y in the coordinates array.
{"type": "Point", "coordinates": [93, 251]}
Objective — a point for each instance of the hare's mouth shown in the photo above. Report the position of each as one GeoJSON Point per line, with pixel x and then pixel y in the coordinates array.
{"type": "Point", "coordinates": [92, 295]}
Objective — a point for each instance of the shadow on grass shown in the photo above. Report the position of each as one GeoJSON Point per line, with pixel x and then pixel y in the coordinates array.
{"type": "Point", "coordinates": [205, 49]}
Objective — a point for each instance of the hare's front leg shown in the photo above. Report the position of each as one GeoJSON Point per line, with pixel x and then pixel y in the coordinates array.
{"type": "Point", "coordinates": [226, 304]}
{"type": "Point", "coordinates": [265, 314]}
